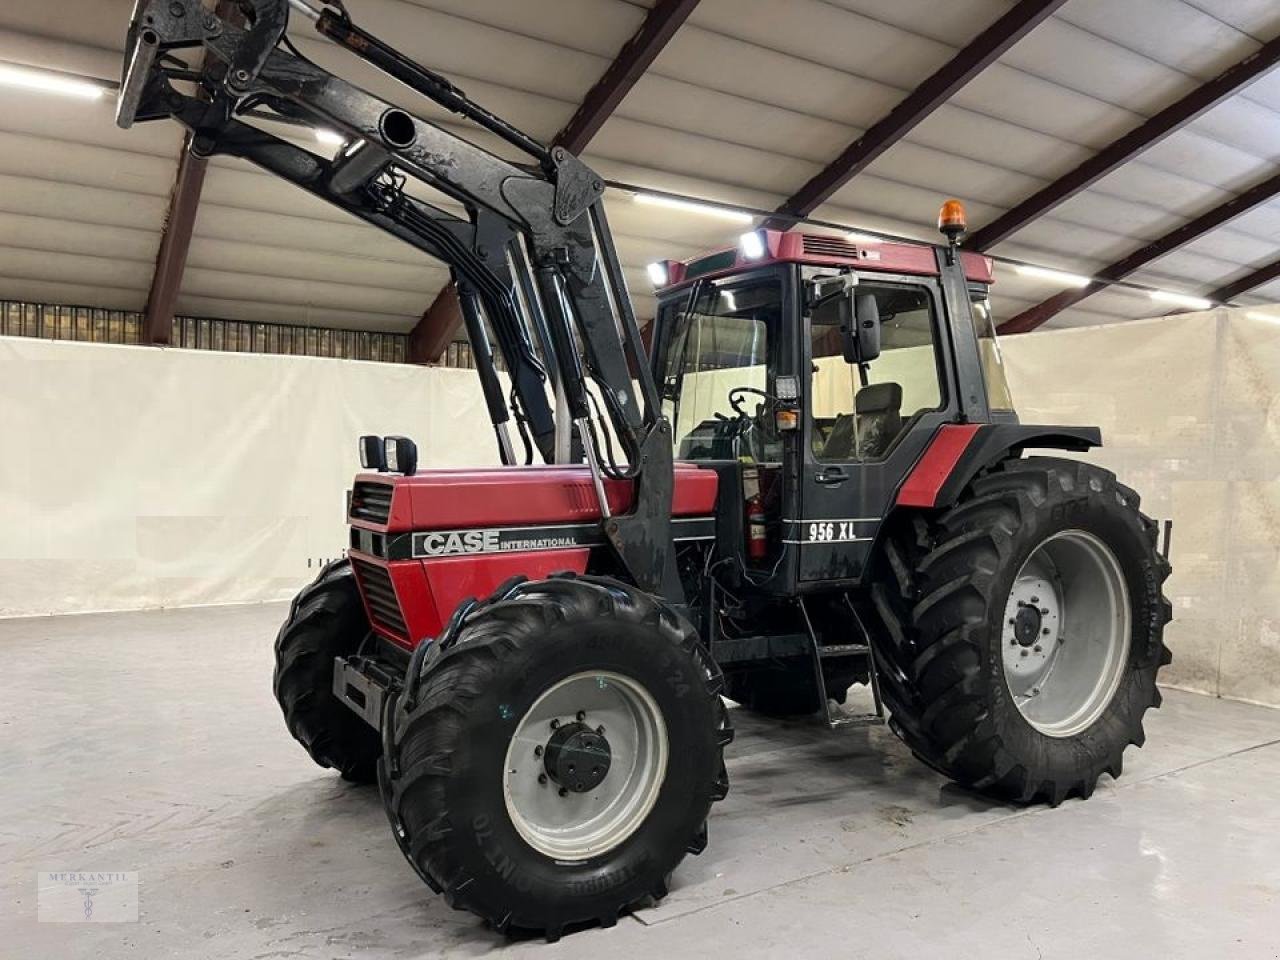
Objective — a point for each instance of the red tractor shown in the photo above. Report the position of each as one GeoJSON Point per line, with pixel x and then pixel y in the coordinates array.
{"type": "Point", "coordinates": [812, 478]}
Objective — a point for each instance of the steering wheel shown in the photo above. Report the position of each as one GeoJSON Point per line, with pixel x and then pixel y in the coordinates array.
{"type": "Point", "coordinates": [736, 398]}
{"type": "Point", "coordinates": [757, 429]}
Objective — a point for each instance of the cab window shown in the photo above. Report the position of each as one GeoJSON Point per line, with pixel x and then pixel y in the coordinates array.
{"type": "Point", "coordinates": [999, 399]}
{"type": "Point", "coordinates": [859, 414]}
{"type": "Point", "coordinates": [716, 371]}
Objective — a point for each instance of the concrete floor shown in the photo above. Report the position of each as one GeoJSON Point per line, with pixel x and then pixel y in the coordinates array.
{"type": "Point", "coordinates": [150, 742]}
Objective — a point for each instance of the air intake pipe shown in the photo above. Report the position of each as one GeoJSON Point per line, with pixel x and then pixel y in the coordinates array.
{"type": "Point", "coordinates": [364, 161]}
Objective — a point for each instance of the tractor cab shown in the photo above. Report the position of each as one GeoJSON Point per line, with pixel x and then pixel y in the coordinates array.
{"type": "Point", "coordinates": [813, 372]}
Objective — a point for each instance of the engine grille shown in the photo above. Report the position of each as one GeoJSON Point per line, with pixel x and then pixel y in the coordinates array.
{"type": "Point", "coordinates": [371, 501]}
{"type": "Point", "coordinates": [380, 594]}
{"type": "Point", "coordinates": [829, 247]}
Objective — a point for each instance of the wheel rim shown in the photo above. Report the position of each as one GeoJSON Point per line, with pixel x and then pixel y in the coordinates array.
{"type": "Point", "coordinates": [1066, 633]}
{"type": "Point", "coordinates": [585, 765]}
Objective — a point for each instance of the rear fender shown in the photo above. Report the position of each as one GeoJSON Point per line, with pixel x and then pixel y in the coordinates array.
{"type": "Point", "coordinates": [958, 452]}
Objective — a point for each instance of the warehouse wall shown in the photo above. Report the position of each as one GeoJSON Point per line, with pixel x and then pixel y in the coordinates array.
{"type": "Point", "coordinates": [1190, 413]}
{"type": "Point", "coordinates": [137, 477]}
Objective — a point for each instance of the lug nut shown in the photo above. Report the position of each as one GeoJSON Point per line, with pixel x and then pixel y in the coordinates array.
{"type": "Point", "coordinates": [564, 791]}
{"type": "Point", "coordinates": [1037, 648]}
{"type": "Point", "coordinates": [542, 778]}
{"type": "Point", "coordinates": [1024, 652]}
{"type": "Point", "coordinates": [1045, 631]}
{"type": "Point", "coordinates": [600, 730]}
{"type": "Point", "coordinates": [1013, 642]}
{"type": "Point", "coordinates": [1044, 611]}
{"type": "Point", "coordinates": [555, 724]}
{"type": "Point", "coordinates": [571, 770]}
{"type": "Point", "coordinates": [537, 751]}
{"type": "Point", "coordinates": [1012, 621]}
{"type": "Point", "coordinates": [582, 715]}
{"type": "Point", "coordinates": [1035, 600]}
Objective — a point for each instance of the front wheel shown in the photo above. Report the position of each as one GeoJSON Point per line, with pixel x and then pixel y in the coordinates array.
{"type": "Point", "coordinates": [560, 758]}
{"type": "Point", "coordinates": [1023, 630]}
{"type": "Point", "coordinates": [326, 620]}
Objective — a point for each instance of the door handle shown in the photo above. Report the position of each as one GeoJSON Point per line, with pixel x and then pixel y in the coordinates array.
{"type": "Point", "coordinates": [831, 476]}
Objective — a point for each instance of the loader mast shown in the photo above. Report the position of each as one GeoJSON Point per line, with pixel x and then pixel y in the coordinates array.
{"type": "Point", "coordinates": [533, 254]}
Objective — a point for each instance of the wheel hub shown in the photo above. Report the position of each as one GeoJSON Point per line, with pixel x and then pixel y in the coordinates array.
{"type": "Point", "coordinates": [1026, 625]}
{"type": "Point", "coordinates": [572, 793]}
{"type": "Point", "coordinates": [577, 757]}
{"type": "Point", "coordinates": [1065, 638]}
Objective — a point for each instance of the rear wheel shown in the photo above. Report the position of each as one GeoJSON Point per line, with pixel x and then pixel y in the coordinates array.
{"type": "Point", "coordinates": [1023, 630]}
{"type": "Point", "coordinates": [326, 620]}
{"type": "Point", "coordinates": [559, 759]}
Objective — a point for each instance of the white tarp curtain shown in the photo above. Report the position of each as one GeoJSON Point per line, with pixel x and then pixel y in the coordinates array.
{"type": "Point", "coordinates": [134, 477]}
{"type": "Point", "coordinates": [1189, 408]}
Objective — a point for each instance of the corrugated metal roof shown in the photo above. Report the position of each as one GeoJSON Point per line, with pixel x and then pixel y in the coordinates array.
{"type": "Point", "coordinates": [749, 100]}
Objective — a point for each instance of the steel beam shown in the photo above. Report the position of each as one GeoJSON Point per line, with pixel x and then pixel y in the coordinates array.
{"type": "Point", "coordinates": [985, 49]}
{"type": "Point", "coordinates": [431, 336]}
{"type": "Point", "coordinates": [175, 244]}
{"type": "Point", "coordinates": [1146, 135]}
{"type": "Point", "coordinates": [659, 26]}
{"type": "Point", "coordinates": [427, 343]}
{"type": "Point", "coordinates": [1250, 281]}
{"type": "Point", "coordinates": [1255, 196]}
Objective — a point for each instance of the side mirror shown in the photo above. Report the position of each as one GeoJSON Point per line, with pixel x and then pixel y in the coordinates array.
{"type": "Point", "coordinates": [860, 328]}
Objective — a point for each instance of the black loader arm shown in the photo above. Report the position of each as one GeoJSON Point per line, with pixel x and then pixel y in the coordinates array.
{"type": "Point", "coordinates": [994, 442]}
{"type": "Point", "coordinates": [534, 252]}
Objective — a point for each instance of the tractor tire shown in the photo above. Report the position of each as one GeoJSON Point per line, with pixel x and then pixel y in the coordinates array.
{"type": "Point", "coordinates": [968, 665]}
{"type": "Point", "coordinates": [783, 690]}
{"type": "Point", "coordinates": [477, 774]}
{"type": "Point", "coordinates": [326, 620]}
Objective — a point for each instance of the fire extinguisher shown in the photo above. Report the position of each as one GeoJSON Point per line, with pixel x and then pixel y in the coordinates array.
{"type": "Point", "coordinates": [757, 542]}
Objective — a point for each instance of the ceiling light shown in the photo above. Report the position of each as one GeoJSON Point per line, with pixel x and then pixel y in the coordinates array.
{"type": "Point", "coordinates": [856, 237]}
{"type": "Point", "coordinates": [45, 81]}
{"type": "Point", "coordinates": [693, 206]}
{"type": "Point", "coordinates": [1264, 317]}
{"type": "Point", "coordinates": [1181, 300]}
{"type": "Point", "coordinates": [657, 274]}
{"type": "Point", "coordinates": [1054, 276]}
{"type": "Point", "coordinates": [330, 138]}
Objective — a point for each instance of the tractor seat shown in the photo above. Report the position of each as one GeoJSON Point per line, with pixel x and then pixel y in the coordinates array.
{"type": "Point", "coordinates": [868, 432]}
{"type": "Point", "coordinates": [878, 408]}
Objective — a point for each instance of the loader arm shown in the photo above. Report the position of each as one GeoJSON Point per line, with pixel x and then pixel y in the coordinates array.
{"type": "Point", "coordinates": [535, 251]}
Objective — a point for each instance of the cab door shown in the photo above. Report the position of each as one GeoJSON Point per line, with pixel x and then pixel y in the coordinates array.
{"type": "Point", "coordinates": [864, 429]}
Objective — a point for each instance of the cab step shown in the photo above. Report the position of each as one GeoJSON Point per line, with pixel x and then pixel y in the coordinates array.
{"type": "Point", "coordinates": [832, 714]}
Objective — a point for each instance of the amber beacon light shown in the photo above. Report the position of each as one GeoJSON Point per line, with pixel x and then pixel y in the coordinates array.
{"type": "Point", "coordinates": [952, 220]}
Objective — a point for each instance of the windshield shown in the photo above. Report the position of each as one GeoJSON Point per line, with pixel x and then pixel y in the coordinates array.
{"type": "Point", "coordinates": [715, 372]}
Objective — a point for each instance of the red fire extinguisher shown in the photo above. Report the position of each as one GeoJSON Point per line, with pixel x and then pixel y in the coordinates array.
{"type": "Point", "coordinates": [757, 542]}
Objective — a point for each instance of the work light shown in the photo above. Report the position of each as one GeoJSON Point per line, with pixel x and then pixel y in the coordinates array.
{"type": "Point", "coordinates": [372, 456]}
{"type": "Point", "coordinates": [752, 245]}
{"type": "Point", "coordinates": [401, 455]}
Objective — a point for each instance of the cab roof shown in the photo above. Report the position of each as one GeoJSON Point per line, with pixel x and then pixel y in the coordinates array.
{"type": "Point", "coordinates": [775, 246]}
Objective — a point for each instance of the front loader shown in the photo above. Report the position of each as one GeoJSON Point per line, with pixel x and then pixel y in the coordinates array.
{"type": "Point", "coordinates": [812, 478]}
